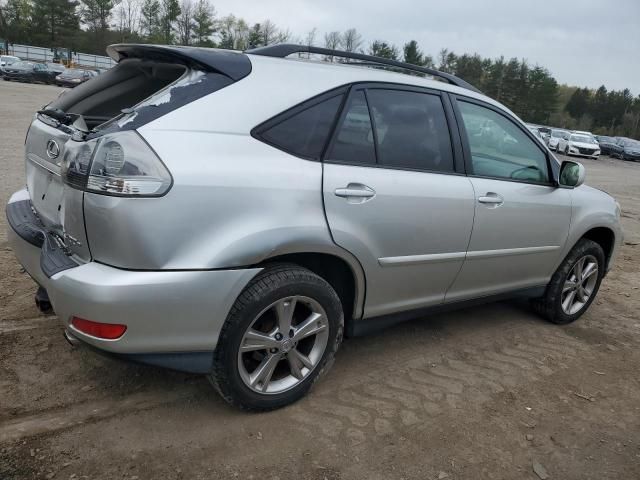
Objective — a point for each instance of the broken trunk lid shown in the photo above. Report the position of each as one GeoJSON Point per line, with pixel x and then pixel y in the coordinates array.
{"type": "Point", "coordinates": [232, 64]}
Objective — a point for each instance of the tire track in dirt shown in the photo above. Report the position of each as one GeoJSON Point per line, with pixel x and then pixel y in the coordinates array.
{"type": "Point", "coordinates": [77, 414]}
{"type": "Point", "coordinates": [425, 387]}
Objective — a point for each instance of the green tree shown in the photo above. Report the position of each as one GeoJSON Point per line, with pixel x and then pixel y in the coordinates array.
{"type": "Point", "coordinates": [412, 54]}
{"type": "Point", "coordinates": [150, 20]}
{"type": "Point", "coordinates": [470, 68]}
{"type": "Point", "coordinates": [203, 23]}
{"type": "Point", "coordinates": [55, 22]}
{"type": "Point", "coordinates": [15, 21]}
{"type": "Point", "coordinates": [383, 49]}
{"type": "Point", "coordinates": [578, 104]}
{"type": "Point", "coordinates": [95, 14]}
{"type": "Point", "coordinates": [169, 12]}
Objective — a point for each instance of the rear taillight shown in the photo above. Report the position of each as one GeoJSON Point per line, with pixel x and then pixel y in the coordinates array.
{"type": "Point", "coordinates": [120, 164]}
{"type": "Point", "coordinates": [107, 331]}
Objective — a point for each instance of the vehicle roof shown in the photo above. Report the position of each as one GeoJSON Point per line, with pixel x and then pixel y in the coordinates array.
{"type": "Point", "coordinates": [334, 74]}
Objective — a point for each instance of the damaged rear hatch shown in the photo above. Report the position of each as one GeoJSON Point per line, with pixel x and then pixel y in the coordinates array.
{"type": "Point", "coordinates": [86, 140]}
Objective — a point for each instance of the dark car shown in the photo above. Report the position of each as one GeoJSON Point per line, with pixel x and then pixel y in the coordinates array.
{"type": "Point", "coordinates": [29, 72]}
{"type": "Point", "coordinates": [72, 77]}
{"type": "Point", "coordinates": [630, 149]}
{"type": "Point", "coordinates": [56, 67]}
{"type": "Point", "coordinates": [609, 146]}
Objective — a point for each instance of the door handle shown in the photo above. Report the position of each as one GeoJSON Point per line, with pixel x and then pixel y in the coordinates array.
{"type": "Point", "coordinates": [491, 199]}
{"type": "Point", "coordinates": [355, 190]}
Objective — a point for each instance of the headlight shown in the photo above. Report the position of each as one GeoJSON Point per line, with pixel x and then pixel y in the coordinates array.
{"type": "Point", "coordinates": [618, 210]}
{"type": "Point", "coordinates": [120, 164]}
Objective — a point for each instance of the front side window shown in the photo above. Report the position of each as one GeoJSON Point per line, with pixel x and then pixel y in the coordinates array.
{"type": "Point", "coordinates": [499, 148]}
{"type": "Point", "coordinates": [411, 130]}
{"type": "Point", "coordinates": [306, 132]}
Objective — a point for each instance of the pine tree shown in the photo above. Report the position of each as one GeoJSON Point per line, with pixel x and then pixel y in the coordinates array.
{"type": "Point", "coordinates": [96, 14]}
{"type": "Point", "coordinates": [204, 21]}
{"type": "Point", "coordinates": [55, 22]}
{"type": "Point", "coordinates": [16, 21]}
{"type": "Point", "coordinates": [412, 54]}
{"type": "Point", "coordinates": [383, 49]}
{"type": "Point", "coordinates": [150, 20]}
{"type": "Point", "coordinates": [169, 12]}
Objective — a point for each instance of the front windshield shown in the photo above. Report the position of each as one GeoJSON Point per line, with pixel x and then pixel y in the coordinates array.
{"type": "Point", "coordinates": [581, 139]}
{"type": "Point", "coordinates": [557, 133]}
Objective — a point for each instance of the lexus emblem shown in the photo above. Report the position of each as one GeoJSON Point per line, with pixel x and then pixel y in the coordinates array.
{"type": "Point", "coordinates": [53, 150]}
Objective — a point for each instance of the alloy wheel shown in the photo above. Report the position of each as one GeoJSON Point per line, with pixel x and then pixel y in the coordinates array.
{"type": "Point", "coordinates": [283, 344]}
{"type": "Point", "coordinates": [579, 285]}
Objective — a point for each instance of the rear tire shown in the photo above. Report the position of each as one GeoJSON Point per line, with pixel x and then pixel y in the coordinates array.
{"type": "Point", "coordinates": [574, 285]}
{"type": "Point", "coordinates": [280, 336]}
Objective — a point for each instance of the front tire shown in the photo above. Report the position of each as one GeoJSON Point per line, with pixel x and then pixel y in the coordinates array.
{"type": "Point", "coordinates": [574, 285]}
{"type": "Point", "coordinates": [280, 336]}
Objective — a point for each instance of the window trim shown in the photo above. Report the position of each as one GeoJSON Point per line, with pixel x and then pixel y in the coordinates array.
{"type": "Point", "coordinates": [455, 98]}
{"type": "Point", "coordinates": [257, 131]}
{"type": "Point", "coordinates": [451, 125]}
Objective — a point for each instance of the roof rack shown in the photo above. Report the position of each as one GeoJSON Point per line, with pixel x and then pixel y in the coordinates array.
{"type": "Point", "coordinates": [283, 50]}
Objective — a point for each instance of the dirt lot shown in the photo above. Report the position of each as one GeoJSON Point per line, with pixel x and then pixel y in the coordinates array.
{"type": "Point", "coordinates": [486, 392]}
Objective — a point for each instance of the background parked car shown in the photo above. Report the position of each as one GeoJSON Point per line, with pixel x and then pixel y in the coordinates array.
{"type": "Point", "coordinates": [557, 135]}
{"type": "Point", "coordinates": [630, 149]}
{"type": "Point", "coordinates": [29, 72]}
{"type": "Point", "coordinates": [533, 129]}
{"type": "Point", "coordinates": [546, 134]}
{"type": "Point", "coordinates": [56, 67]}
{"type": "Point", "coordinates": [609, 146]}
{"type": "Point", "coordinates": [5, 61]}
{"type": "Point", "coordinates": [582, 144]}
{"type": "Point", "coordinates": [72, 77]}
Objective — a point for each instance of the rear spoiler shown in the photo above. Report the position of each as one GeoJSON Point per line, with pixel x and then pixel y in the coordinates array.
{"type": "Point", "coordinates": [235, 65]}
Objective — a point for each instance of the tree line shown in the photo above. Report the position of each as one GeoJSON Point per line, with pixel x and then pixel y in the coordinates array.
{"type": "Point", "coordinates": [90, 25]}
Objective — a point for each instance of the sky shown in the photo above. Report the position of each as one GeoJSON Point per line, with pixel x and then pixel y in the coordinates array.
{"type": "Point", "coordinates": [586, 43]}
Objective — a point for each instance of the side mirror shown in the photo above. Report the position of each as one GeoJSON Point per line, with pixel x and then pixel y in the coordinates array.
{"type": "Point", "coordinates": [572, 174]}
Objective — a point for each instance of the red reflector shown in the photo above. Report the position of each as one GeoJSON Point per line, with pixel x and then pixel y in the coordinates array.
{"type": "Point", "coordinates": [109, 331]}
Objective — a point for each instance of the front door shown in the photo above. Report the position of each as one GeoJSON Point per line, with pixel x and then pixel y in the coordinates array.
{"type": "Point", "coordinates": [521, 218]}
{"type": "Point", "coordinates": [393, 198]}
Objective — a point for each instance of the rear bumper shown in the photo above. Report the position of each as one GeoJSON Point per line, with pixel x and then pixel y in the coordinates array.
{"type": "Point", "coordinates": [166, 312]}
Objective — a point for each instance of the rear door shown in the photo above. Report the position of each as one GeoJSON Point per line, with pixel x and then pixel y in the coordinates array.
{"type": "Point", "coordinates": [522, 218]}
{"type": "Point", "coordinates": [394, 196]}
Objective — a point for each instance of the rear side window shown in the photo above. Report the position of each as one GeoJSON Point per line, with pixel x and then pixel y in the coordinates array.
{"type": "Point", "coordinates": [354, 141]}
{"type": "Point", "coordinates": [306, 132]}
{"type": "Point", "coordinates": [411, 130]}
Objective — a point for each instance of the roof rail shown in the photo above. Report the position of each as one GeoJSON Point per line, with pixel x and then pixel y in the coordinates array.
{"type": "Point", "coordinates": [282, 50]}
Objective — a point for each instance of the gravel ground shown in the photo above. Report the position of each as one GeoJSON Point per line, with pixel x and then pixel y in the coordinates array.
{"type": "Point", "coordinates": [489, 392]}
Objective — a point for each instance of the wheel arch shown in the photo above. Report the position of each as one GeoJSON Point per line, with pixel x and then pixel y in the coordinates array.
{"type": "Point", "coordinates": [343, 273]}
{"type": "Point", "coordinates": [603, 236]}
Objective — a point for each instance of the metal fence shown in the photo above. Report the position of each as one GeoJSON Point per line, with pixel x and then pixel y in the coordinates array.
{"type": "Point", "coordinates": [41, 54]}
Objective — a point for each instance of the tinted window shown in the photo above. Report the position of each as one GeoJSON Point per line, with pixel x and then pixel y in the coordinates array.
{"type": "Point", "coordinates": [411, 130]}
{"type": "Point", "coordinates": [354, 139]}
{"type": "Point", "coordinates": [499, 148]}
{"type": "Point", "coordinates": [305, 133]}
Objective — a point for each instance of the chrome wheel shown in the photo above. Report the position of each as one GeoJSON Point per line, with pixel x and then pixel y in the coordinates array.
{"type": "Point", "coordinates": [283, 345]}
{"type": "Point", "coordinates": [579, 285]}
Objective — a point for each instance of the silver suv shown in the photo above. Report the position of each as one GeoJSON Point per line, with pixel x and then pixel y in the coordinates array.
{"type": "Point", "coordinates": [235, 214]}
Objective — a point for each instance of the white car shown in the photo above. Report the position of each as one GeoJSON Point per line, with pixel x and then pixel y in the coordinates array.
{"type": "Point", "coordinates": [8, 60]}
{"type": "Point", "coordinates": [581, 144]}
{"type": "Point", "coordinates": [556, 135]}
